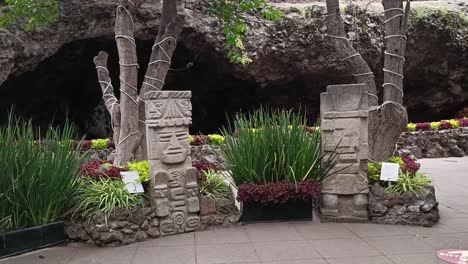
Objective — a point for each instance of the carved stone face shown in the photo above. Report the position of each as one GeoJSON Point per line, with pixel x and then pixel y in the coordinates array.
{"type": "Point", "coordinates": [172, 144]}
{"type": "Point", "coordinates": [169, 108]}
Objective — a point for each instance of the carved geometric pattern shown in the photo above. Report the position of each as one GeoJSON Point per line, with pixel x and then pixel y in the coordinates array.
{"type": "Point", "coordinates": [344, 111]}
{"type": "Point", "coordinates": [175, 191]}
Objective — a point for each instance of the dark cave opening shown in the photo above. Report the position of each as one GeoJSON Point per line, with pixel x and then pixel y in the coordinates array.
{"type": "Point", "coordinates": [65, 86]}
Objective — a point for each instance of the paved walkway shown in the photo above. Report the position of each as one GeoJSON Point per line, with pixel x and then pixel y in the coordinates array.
{"type": "Point", "coordinates": [298, 243]}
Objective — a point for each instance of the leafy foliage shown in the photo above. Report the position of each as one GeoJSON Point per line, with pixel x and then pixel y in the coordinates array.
{"type": "Point", "coordinates": [278, 192]}
{"type": "Point", "coordinates": [213, 184]}
{"type": "Point", "coordinates": [100, 143]}
{"type": "Point", "coordinates": [272, 146]}
{"type": "Point", "coordinates": [38, 180]}
{"type": "Point", "coordinates": [101, 169]}
{"type": "Point", "coordinates": [410, 183]}
{"type": "Point", "coordinates": [373, 169]}
{"type": "Point", "coordinates": [231, 14]}
{"type": "Point", "coordinates": [35, 13]}
{"type": "Point", "coordinates": [143, 168]}
{"type": "Point", "coordinates": [104, 195]}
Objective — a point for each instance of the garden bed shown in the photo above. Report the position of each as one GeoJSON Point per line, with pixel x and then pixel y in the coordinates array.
{"type": "Point", "coordinates": [28, 239]}
{"type": "Point", "coordinates": [434, 143]}
{"type": "Point", "coordinates": [410, 208]}
{"type": "Point", "coordinates": [125, 227]}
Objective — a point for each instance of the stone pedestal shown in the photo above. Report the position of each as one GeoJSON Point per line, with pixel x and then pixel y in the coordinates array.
{"type": "Point", "coordinates": [174, 190]}
{"type": "Point", "coordinates": [344, 127]}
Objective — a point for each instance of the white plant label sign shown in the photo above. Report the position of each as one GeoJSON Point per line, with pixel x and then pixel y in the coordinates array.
{"type": "Point", "coordinates": [389, 171]}
{"type": "Point", "coordinates": [130, 178]}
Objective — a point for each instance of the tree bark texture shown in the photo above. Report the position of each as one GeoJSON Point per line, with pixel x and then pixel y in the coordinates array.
{"type": "Point", "coordinates": [337, 35]}
{"type": "Point", "coordinates": [387, 121]}
{"type": "Point", "coordinates": [172, 23]}
{"type": "Point", "coordinates": [128, 114]}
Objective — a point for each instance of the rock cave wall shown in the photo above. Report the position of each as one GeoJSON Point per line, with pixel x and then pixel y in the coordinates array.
{"type": "Point", "coordinates": [49, 73]}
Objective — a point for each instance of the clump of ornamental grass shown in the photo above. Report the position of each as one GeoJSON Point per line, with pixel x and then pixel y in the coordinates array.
{"type": "Point", "coordinates": [38, 180]}
{"type": "Point", "coordinates": [271, 146]}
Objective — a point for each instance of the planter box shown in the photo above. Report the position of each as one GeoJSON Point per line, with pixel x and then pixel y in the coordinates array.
{"type": "Point", "coordinates": [296, 210]}
{"type": "Point", "coordinates": [24, 240]}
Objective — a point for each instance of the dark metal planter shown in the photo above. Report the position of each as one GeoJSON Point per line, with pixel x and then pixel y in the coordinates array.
{"type": "Point", "coordinates": [295, 210]}
{"type": "Point", "coordinates": [28, 239]}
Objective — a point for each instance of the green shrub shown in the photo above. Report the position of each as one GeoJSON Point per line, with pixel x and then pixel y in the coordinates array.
{"type": "Point", "coordinates": [435, 125]}
{"type": "Point", "coordinates": [409, 183]}
{"type": "Point", "coordinates": [213, 184]}
{"type": "Point", "coordinates": [143, 169]}
{"type": "Point", "coordinates": [100, 143]}
{"type": "Point", "coordinates": [104, 196]}
{"type": "Point", "coordinates": [411, 127]}
{"type": "Point", "coordinates": [373, 169]}
{"type": "Point", "coordinates": [216, 139]}
{"type": "Point", "coordinates": [272, 146]}
{"type": "Point", "coordinates": [38, 179]}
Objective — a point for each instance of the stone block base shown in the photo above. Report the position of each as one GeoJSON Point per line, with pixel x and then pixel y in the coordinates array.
{"type": "Point", "coordinates": [344, 208]}
{"type": "Point", "coordinates": [419, 209]}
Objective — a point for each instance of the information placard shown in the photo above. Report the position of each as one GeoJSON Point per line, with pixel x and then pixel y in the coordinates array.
{"type": "Point", "coordinates": [389, 171]}
{"type": "Point", "coordinates": [130, 178]}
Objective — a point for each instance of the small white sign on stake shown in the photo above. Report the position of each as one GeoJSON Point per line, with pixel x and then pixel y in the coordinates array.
{"type": "Point", "coordinates": [130, 178]}
{"type": "Point", "coordinates": [389, 171]}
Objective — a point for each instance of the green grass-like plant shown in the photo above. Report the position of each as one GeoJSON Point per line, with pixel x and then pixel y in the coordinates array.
{"type": "Point", "coordinates": [213, 184]}
{"type": "Point", "coordinates": [104, 195]}
{"type": "Point", "coordinates": [272, 146]}
{"type": "Point", "coordinates": [38, 178]}
{"type": "Point", "coordinates": [410, 183]}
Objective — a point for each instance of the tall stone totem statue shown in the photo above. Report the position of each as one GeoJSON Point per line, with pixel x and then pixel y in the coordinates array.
{"type": "Point", "coordinates": [174, 190]}
{"type": "Point", "coordinates": [344, 115]}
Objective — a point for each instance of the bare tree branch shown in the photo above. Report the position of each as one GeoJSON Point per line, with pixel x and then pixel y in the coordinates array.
{"type": "Point", "coordinates": [110, 101]}
{"type": "Point", "coordinates": [360, 69]}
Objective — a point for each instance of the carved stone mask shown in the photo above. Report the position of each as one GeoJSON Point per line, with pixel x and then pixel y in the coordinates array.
{"type": "Point", "coordinates": [172, 144]}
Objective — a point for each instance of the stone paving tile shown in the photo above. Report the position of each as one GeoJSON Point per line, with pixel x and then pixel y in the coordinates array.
{"type": "Point", "coordinates": [287, 250]}
{"type": "Point", "coordinates": [345, 247]}
{"type": "Point", "coordinates": [98, 255]}
{"type": "Point", "coordinates": [376, 230]}
{"type": "Point", "coordinates": [445, 241]}
{"type": "Point", "coordinates": [317, 231]}
{"type": "Point", "coordinates": [308, 261]}
{"type": "Point", "coordinates": [416, 259]}
{"type": "Point", "coordinates": [429, 231]}
{"type": "Point", "coordinates": [393, 245]}
{"type": "Point", "coordinates": [165, 255]}
{"type": "Point", "coordinates": [360, 260]}
{"type": "Point", "coordinates": [55, 255]}
{"type": "Point", "coordinates": [226, 253]}
{"type": "Point", "coordinates": [269, 232]}
{"type": "Point", "coordinates": [222, 236]}
{"type": "Point", "coordinates": [457, 224]}
{"type": "Point", "coordinates": [187, 239]}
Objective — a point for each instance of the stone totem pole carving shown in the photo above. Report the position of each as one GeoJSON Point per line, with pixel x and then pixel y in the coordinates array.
{"type": "Point", "coordinates": [344, 127]}
{"type": "Point", "coordinates": [174, 189]}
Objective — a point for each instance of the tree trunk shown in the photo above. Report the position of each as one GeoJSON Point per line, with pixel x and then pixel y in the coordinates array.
{"type": "Point", "coordinates": [172, 23]}
{"type": "Point", "coordinates": [387, 122]}
{"type": "Point", "coordinates": [337, 35]}
{"type": "Point", "coordinates": [126, 46]}
{"type": "Point", "coordinates": [128, 116]}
